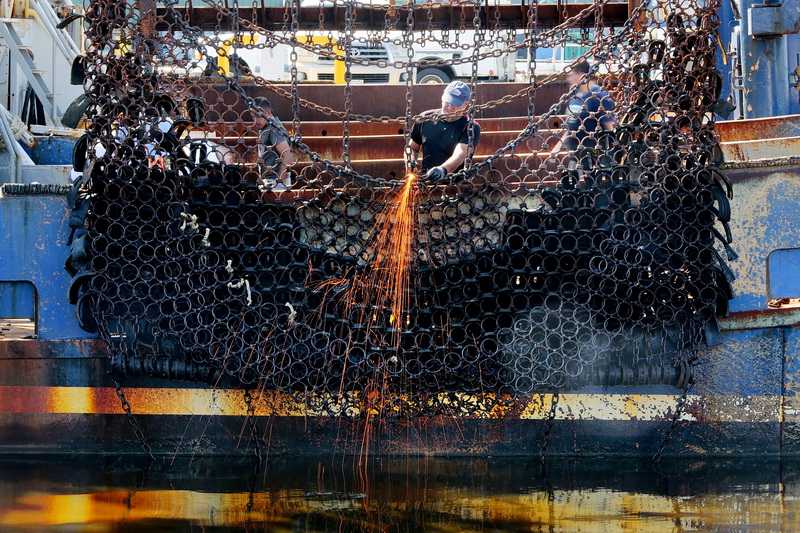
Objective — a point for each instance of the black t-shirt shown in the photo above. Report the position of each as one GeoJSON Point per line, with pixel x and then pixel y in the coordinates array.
{"type": "Point", "coordinates": [439, 138]}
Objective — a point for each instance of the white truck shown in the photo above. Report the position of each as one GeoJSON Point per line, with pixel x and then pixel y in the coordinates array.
{"type": "Point", "coordinates": [320, 67]}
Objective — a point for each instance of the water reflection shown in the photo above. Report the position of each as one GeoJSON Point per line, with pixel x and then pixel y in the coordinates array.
{"type": "Point", "coordinates": [395, 494]}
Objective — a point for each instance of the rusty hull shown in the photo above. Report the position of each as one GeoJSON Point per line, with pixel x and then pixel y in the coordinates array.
{"type": "Point", "coordinates": [56, 395]}
{"type": "Point", "coordinates": [441, 16]}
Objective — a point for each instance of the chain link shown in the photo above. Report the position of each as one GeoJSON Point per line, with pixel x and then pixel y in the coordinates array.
{"type": "Point", "coordinates": [348, 88]}
{"type": "Point", "coordinates": [548, 431]}
{"type": "Point", "coordinates": [132, 419]}
{"type": "Point", "coordinates": [532, 270]}
{"type": "Point", "coordinates": [680, 408]}
{"type": "Point", "coordinates": [410, 157]}
{"type": "Point", "coordinates": [255, 438]}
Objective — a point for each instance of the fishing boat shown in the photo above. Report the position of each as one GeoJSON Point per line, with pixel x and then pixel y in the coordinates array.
{"type": "Point", "coordinates": [614, 298]}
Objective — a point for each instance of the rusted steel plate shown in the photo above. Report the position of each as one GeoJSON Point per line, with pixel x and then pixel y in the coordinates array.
{"type": "Point", "coordinates": [231, 402]}
{"type": "Point", "coordinates": [761, 319]}
{"type": "Point", "coordinates": [395, 168]}
{"type": "Point", "coordinates": [441, 16]}
{"type": "Point", "coordinates": [761, 150]}
{"type": "Point", "coordinates": [758, 128]}
{"type": "Point", "coordinates": [324, 128]}
{"type": "Point", "coordinates": [309, 435]}
{"type": "Point", "coordinates": [365, 102]}
{"type": "Point", "coordinates": [370, 147]}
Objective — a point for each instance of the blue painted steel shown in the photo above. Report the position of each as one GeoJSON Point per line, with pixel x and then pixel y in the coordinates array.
{"type": "Point", "coordinates": [748, 363]}
{"type": "Point", "coordinates": [764, 219]}
{"type": "Point", "coordinates": [34, 231]}
{"type": "Point", "coordinates": [52, 150]}
{"type": "Point", "coordinates": [724, 63]}
{"type": "Point", "coordinates": [767, 62]}
{"type": "Point", "coordinates": [17, 299]}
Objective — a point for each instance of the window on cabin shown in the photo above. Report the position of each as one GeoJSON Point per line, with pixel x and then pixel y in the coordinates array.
{"type": "Point", "coordinates": [18, 304]}
{"type": "Point", "coordinates": [783, 278]}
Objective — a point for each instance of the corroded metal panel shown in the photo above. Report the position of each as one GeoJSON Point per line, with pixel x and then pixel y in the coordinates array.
{"type": "Point", "coordinates": [761, 150]}
{"type": "Point", "coordinates": [512, 114]}
{"type": "Point", "coordinates": [764, 218]}
{"type": "Point", "coordinates": [34, 232]}
{"type": "Point", "coordinates": [758, 129]}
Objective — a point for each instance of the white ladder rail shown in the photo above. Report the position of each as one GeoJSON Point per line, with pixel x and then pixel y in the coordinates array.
{"type": "Point", "coordinates": [61, 37]}
{"type": "Point", "coordinates": [16, 156]}
{"type": "Point", "coordinates": [20, 55]}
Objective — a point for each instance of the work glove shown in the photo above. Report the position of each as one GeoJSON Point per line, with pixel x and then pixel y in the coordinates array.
{"type": "Point", "coordinates": [436, 174]}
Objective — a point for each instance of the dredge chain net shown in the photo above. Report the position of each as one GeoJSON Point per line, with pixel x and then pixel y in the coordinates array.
{"type": "Point", "coordinates": [534, 270]}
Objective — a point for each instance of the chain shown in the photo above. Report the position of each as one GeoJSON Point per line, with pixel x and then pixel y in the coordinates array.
{"type": "Point", "coordinates": [680, 408]}
{"type": "Point", "coordinates": [295, 94]}
{"type": "Point", "coordinates": [251, 424]}
{"type": "Point", "coordinates": [411, 161]}
{"type": "Point", "coordinates": [348, 89]}
{"type": "Point", "coordinates": [477, 39]}
{"type": "Point", "coordinates": [533, 23]}
{"type": "Point", "coordinates": [132, 419]}
{"type": "Point", "coordinates": [328, 50]}
{"type": "Point", "coordinates": [548, 431]}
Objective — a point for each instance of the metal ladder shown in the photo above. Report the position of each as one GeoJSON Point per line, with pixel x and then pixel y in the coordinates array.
{"type": "Point", "coordinates": [19, 53]}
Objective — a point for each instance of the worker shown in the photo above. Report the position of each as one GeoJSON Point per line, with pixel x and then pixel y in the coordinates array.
{"type": "Point", "coordinates": [589, 111]}
{"type": "Point", "coordinates": [274, 154]}
{"type": "Point", "coordinates": [446, 141]}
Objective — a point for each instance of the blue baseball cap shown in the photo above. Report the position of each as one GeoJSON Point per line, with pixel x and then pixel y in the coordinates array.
{"type": "Point", "coordinates": [456, 93]}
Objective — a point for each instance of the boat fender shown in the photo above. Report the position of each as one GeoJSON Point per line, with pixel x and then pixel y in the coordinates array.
{"type": "Point", "coordinates": [74, 196]}
{"type": "Point", "coordinates": [180, 126]}
{"type": "Point", "coordinates": [724, 285]}
{"type": "Point", "coordinates": [721, 307]}
{"type": "Point", "coordinates": [74, 113]}
{"type": "Point", "coordinates": [77, 217]}
{"type": "Point", "coordinates": [79, 256]}
{"type": "Point", "coordinates": [712, 332]}
{"type": "Point", "coordinates": [76, 286]}
{"type": "Point", "coordinates": [84, 314]}
{"type": "Point", "coordinates": [722, 179]}
{"type": "Point", "coordinates": [552, 197]}
{"type": "Point", "coordinates": [77, 73]}
{"type": "Point", "coordinates": [726, 270]}
{"type": "Point", "coordinates": [723, 204]}
{"type": "Point", "coordinates": [79, 153]}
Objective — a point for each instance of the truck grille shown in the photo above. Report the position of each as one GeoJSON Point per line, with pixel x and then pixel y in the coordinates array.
{"type": "Point", "coordinates": [362, 51]}
{"type": "Point", "coordinates": [366, 78]}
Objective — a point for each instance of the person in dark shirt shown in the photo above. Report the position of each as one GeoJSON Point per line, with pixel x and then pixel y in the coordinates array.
{"type": "Point", "coordinates": [274, 154]}
{"type": "Point", "coordinates": [445, 143]}
{"type": "Point", "coordinates": [590, 111]}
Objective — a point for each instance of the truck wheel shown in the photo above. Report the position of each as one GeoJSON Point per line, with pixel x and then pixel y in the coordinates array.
{"type": "Point", "coordinates": [432, 75]}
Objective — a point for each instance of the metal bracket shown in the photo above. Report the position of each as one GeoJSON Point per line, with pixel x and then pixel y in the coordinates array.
{"type": "Point", "coordinates": [768, 20]}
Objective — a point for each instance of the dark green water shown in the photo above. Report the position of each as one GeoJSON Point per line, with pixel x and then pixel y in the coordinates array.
{"type": "Point", "coordinates": [98, 494]}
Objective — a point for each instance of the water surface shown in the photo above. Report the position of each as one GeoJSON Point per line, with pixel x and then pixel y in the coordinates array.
{"type": "Point", "coordinates": [396, 494]}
